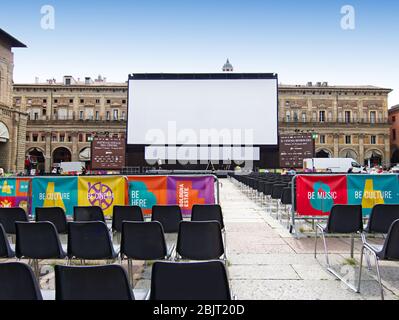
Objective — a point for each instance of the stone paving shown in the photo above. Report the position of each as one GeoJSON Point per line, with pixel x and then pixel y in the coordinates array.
{"type": "Point", "coordinates": [267, 262]}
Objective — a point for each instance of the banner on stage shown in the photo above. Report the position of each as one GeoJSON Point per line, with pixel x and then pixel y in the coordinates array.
{"type": "Point", "coordinates": [147, 191]}
{"type": "Point", "coordinates": [102, 191]}
{"type": "Point", "coordinates": [55, 192]}
{"type": "Point", "coordinates": [14, 192]}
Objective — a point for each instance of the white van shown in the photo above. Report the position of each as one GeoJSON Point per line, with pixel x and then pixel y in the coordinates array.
{"type": "Point", "coordinates": [334, 165]}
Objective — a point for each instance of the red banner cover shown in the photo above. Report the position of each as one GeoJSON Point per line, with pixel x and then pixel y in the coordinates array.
{"type": "Point", "coordinates": [316, 195]}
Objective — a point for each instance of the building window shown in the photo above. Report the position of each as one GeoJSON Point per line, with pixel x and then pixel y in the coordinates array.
{"type": "Point", "coordinates": [347, 116]}
{"type": "Point", "coordinates": [330, 117]}
{"type": "Point", "coordinates": [44, 100]}
{"type": "Point", "coordinates": [116, 114]}
{"type": "Point", "coordinates": [107, 117]}
{"type": "Point", "coordinates": [373, 139]}
{"type": "Point", "coordinates": [82, 101]}
{"type": "Point", "coordinates": [54, 138]}
{"type": "Point", "coordinates": [35, 137]}
{"type": "Point", "coordinates": [108, 101]}
{"type": "Point", "coordinates": [88, 137]}
{"type": "Point", "coordinates": [322, 139]}
{"type": "Point", "coordinates": [123, 115]}
{"type": "Point", "coordinates": [80, 137]}
{"type": "Point", "coordinates": [123, 101]}
{"type": "Point", "coordinates": [97, 101]}
{"type": "Point", "coordinates": [393, 134]}
{"type": "Point", "coordinates": [69, 138]}
{"type": "Point", "coordinates": [348, 139]}
{"type": "Point", "coordinates": [97, 115]}
{"type": "Point", "coordinates": [80, 115]}
{"type": "Point", "coordinates": [27, 138]}
{"type": "Point", "coordinates": [62, 137]}
{"type": "Point", "coordinates": [36, 116]}
{"type": "Point", "coordinates": [295, 116]}
{"type": "Point", "coordinates": [55, 100]}
{"type": "Point", "coordinates": [322, 116]}
{"type": "Point", "coordinates": [393, 119]}
{"type": "Point", "coordinates": [43, 138]}
{"type": "Point", "coordinates": [373, 116]}
{"type": "Point", "coordinates": [70, 100]}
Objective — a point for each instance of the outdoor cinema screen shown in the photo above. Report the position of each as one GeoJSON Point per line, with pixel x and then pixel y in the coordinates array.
{"type": "Point", "coordinates": [236, 109]}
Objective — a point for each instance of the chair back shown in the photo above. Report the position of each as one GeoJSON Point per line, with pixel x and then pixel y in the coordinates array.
{"type": "Point", "coordinates": [37, 240]}
{"type": "Point", "coordinates": [391, 244]}
{"type": "Point", "coordinates": [89, 240]}
{"type": "Point", "coordinates": [168, 216]}
{"type": "Point", "coordinates": [8, 217]}
{"type": "Point", "coordinates": [207, 212]}
{"type": "Point", "coordinates": [5, 248]}
{"type": "Point", "coordinates": [286, 196]}
{"type": "Point", "coordinates": [143, 240]}
{"type": "Point", "coordinates": [93, 213]}
{"type": "Point", "coordinates": [345, 219]}
{"type": "Point", "coordinates": [18, 282]}
{"type": "Point", "coordinates": [200, 240]}
{"type": "Point", "coordinates": [108, 282]}
{"type": "Point", "coordinates": [125, 213]}
{"type": "Point", "coordinates": [56, 215]}
{"type": "Point", "coordinates": [189, 281]}
{"type": "Point", "coordinates": [381, 218]}
{"type": "Point", "coordinates": [277, 190]}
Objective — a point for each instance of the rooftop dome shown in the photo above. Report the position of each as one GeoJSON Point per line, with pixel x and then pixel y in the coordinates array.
{"type": "Point", "coordinates": [228, 67]}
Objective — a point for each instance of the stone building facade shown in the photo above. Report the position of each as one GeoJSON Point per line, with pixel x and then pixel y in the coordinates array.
{"type": "Point", "coordinates": [65, 116]}
{"type": "Point", "coordinates": [12, 119]}
{"type": "Point", "coordinates": [394, 121]}
{"type": "Point", "coordinates": [346, 121]}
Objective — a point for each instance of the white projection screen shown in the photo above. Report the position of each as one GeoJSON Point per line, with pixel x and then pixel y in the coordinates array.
{"type": "Point", "coordinates": [203, 111]}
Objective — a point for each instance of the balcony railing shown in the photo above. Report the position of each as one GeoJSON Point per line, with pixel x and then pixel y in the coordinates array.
{"type": "Point", "coordinates": [337, 121]}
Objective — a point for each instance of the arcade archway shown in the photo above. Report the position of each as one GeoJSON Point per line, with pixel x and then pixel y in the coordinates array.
{"type": "Point", "coordinates": [4, 146]}
{"type": "Point", "coordinates": [61, 154]}
{"type": "Point", "coordinates": [323, 154]}
{"type": "Point", "coordinates": [37, 159]}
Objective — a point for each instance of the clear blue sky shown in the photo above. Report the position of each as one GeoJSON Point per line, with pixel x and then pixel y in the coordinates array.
{"type": "Point", "coordinates": [300, 40]}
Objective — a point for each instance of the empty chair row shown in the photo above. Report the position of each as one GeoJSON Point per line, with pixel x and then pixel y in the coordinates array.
{"type": "Point", "coordinates": [169, 216]}
{"type": "Point", "coordinates": [169, 281]}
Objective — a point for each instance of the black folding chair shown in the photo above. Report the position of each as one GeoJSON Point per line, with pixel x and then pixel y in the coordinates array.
{"type": "Point", "coordinates": [125, 213]}
{"type": "Point", "coordinates": [388, 251]}
{"type": "Point", "coordinates": [168, 216]}
{"type": "Point", "coordinates": [5, 248]}
{"type": "Point", "coordinates": [189, 281]}
{"type": "Point", "coordinates": [200, 240]}
{"type": "Point", "coordinates": [17, 282]}
{"type": "Point", "coordinates": [56, 215]}
{"type": "Point", "coordinates": [343, 219]}
{"type": "Point", "coordinates": [381, 218]}
{"type": "Point", "coordinates": [93, 213]}
{"type": "Point", "coordinates": [209, 212]}
{"type": "Point", "coordinates": [143, 241]}
{"type": "Point", "coordinates": [277, 191]}
{"type": "Point", "coordinates": [107, 282]}
{"type": "Point", "coordinates": [37, 241]}
{"type": "Point", "coordinates": [286, 201]}
{"type": "Point", "coordinates": [8, 217]}
{"type": "Point", "coordinates": [90, 241]}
